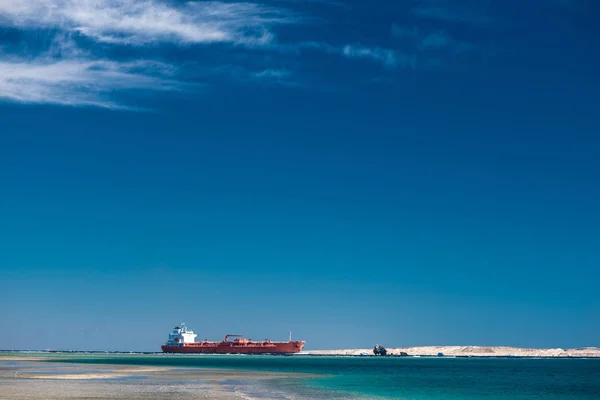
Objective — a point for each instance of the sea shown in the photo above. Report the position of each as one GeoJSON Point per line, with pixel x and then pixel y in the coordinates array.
{"type": "Point", "coordinates": [408, 378]}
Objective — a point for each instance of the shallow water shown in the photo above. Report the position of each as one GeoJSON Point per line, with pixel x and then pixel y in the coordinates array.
{"type": "Point", "coordinates": [392, 378]}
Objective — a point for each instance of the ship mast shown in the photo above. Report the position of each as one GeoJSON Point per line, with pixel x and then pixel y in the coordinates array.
{"type": "Point", "coordinates": [290, 336]}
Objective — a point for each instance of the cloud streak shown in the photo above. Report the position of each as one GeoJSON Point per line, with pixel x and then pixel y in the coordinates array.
{"type": "Point", "coordinates": [389, 58]}
{"type": "Point", "coordinates": [67, 75]}
{"type": "Point", "coordinates": [70, 75]}
{"type": "Point", "coordinates": [79, 82]}
{"type": "Point", "coordinates": [273, 74]}
{"type": "Point", "coordinates": [141, 22]}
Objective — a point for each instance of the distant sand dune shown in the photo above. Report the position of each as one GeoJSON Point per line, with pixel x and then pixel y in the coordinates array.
{"type": "Point", "coordinates": [470, 351]}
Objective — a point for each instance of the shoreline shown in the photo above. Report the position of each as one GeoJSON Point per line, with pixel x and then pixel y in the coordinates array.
{"type": "Point", "coordinates": [421, 351]}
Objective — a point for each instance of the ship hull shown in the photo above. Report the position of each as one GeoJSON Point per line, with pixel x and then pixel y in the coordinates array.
{"type": "Point", "coordinates": [232, 348]}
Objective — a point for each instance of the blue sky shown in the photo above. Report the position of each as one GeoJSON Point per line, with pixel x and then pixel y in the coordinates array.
{"type": "Point", "coordinates": [405, 173]}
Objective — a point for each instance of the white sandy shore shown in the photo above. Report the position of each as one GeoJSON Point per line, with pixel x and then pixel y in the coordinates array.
{"type": "Point", "coordinates": [38, 380]}
{"type": "Point", "coordinates": [111, 374]}
{"type": "Point", "coordinates": [56, 389]}
{"type": "Point", "coordinates": [468, 351]}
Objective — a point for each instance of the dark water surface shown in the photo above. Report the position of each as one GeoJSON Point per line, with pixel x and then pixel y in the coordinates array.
{"type": "Point", "coordinates": [397, 378]}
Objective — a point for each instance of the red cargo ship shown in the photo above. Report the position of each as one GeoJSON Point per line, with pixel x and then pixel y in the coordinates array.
{"type": "Point", "coordinates": [182, 340]}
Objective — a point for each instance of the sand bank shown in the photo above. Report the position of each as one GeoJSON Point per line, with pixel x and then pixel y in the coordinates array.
{"type": "Point", "coordinates": [37, 380]}
{"type": "Point", "coordinates": [21, 389]}
{"type": "Point", "coordinates": [469, 351]}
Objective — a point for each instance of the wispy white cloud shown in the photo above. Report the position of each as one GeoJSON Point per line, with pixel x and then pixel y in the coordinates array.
{"type": "Point", "coordinates": [321, 46]}
{"type": "Point", "coordinates": [283, 77]}
{"type": "Point", "coordinates": [79, 81]}
{"type": "Point", "coordinates": [241, 74]}
{"type": "Point", "coordinates": [69, 75]}
{"type": "Point", "coordinates": [66, 74]}
{"type": "Point", "coordinates": [273, 74]}
{"type": "Point", "coordinates": [148, 21]}
{"type": "Point", "coordinates": [389, 58]}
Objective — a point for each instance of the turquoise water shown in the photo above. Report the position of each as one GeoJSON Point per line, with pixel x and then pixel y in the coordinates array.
{"type": "Point", "coordinates": [400, 378]}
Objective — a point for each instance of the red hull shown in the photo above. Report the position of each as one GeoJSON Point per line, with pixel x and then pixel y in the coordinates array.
{"type": "Point", "coordinates": [236, 348]}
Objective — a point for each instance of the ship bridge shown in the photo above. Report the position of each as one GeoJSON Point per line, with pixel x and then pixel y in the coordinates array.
{"type": "Point", "coordinates": [180, 335]}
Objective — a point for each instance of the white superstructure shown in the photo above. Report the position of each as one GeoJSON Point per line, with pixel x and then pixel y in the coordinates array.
{"type": "Point", "coordinates": [180, 335]}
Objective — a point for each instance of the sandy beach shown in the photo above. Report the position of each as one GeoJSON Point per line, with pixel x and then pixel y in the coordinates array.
{"type": "Point", "coordinates": [29, 378]}
{"type": "Point", "coordinates": [468, 351]}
